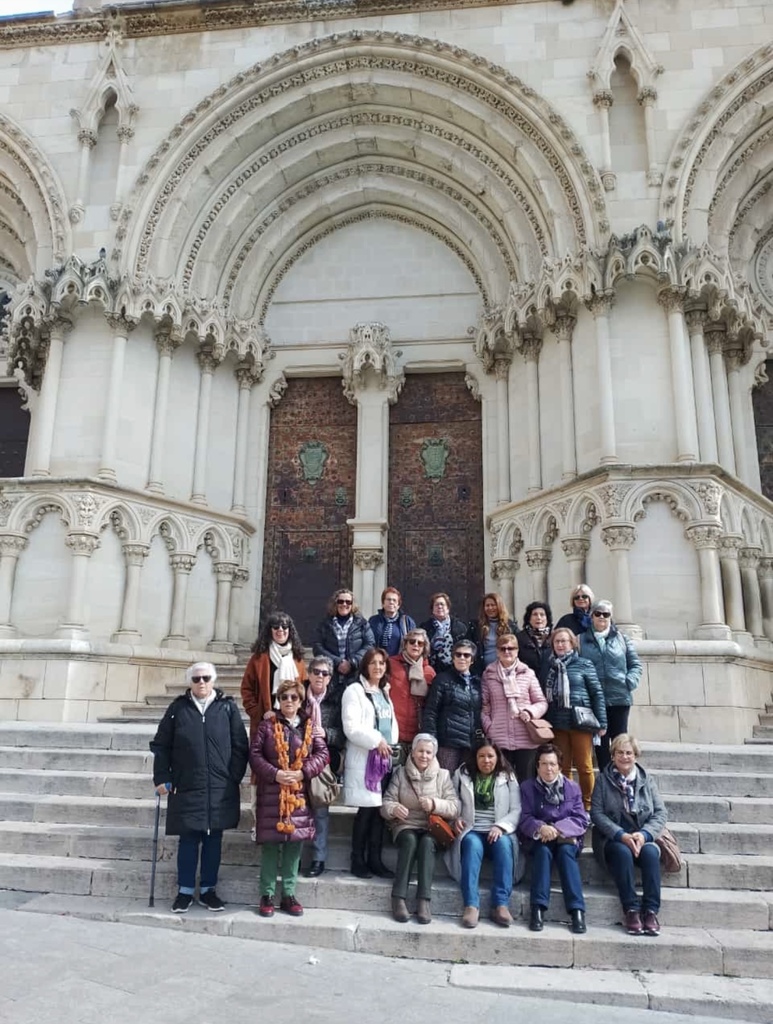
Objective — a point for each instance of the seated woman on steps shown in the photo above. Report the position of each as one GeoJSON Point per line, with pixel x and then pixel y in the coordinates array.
{"type": "Point", "coordinates": [420, 788]}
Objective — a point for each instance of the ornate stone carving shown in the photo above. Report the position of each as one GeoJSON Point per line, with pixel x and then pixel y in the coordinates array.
{"type": "Point", "coordinates": [370, 355]}
{"type": "Point", "coordinates": [82, 543]}
{"type": "Point", "coordinates": [612, 498]}
{"type": "Point", "coordinates": [618, 538]}
{"type": "Point", "coordinates": [538, 558]}
{"type": "Point", "coordinates": [7, 505]}
{"type": "Point", "coordinates": [87, 506]}
{"type": "Point", "coordinates": [368, 559]}
{"type": "Point", "coordinates": [710, 495]}
{"type": "Point", "coordinates": [504, 568]}
{"type": "Point", "coordinates": [224, 571]}
{"type": "Point", "coordinates": [12, 544]}
{"type": "Point", "coordinates": [277, 390]}
{"type": "Point", "coordinates": [472, 386]}
{"type": "Point", "coordinates": [703, 536]}
{"type": "Point", "coordinates": [135, 554]}
{"type": "Point", "coordinates": [749, 557]}
{"type": "Point", "coordinates": [575, 548]}
{"type": "Point", "coordinates": [182, 563]}
{"type": "Point", "coordinates": [730, 545]}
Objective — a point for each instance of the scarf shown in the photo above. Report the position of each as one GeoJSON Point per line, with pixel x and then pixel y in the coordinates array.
{"type": "Point", "coordinates": [627, 786]}
{"type": "Point", "coordinates": [202, 705]}
{"type": "Point", "coordinates": [507, 678]}
{"type": "Point", "coordinates": [376, 767]}
{"type": "Point", "coordinates": [557, 688]}
{"type": "Point", "coordinates": [389, 626]}
{"type": "Point", "coordinates": [538, 636]}
{"type": "Point", "coordinates": [551, 792]}
{"type": "Point", "coordinates": [583, 618]}
{"type": "Point", "coordinates": [282, 658]}
{"type": "Point", "coordinates": [442, 641]}
{"type": "Point", "coordinates": [484, 791]}
{"type": "Point", "coordinates": [341, 629]}
{"type": "Point", "coordinates": [315, 706]}
{"type": "Point", "coordinates": [416, 680]}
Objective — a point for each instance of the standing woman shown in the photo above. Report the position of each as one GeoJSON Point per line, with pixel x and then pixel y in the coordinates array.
{"type": "Point", "coordinates": [573, 683]}
{"type": "Point", "coordinates": [416, 790]}
{"type": "Point", "coordinates": [511, 698]}
{"type": "Point", "coordinates": [343, 636]}
{"type": "Point", "coordinates": [578, 619]}
{"type": "Point", "coordinates": [490, 810]}
{"type": "Point", "coordinates": [410, 675]}
{"type": "Point", "coordinates": [617, 666]}
{"type": "Point", "coordinates": [285, 754]}
{"type": "Point", "coordinates": [552, 828]}
{"type": "Point", "coordinates": [492, 622]}
{"type": "Point", "coordinates": [534, 639]}
{"type": "Point", "coordinates": [443, 631]}
{"type": "Point", "coordinates": [453, 706]}
{"type": "Point", "coordinates": [390, 625]}
{"type": "Point", "coordinates": [370, 727]}
{"type": "Point", "coordinates": [325, 706]}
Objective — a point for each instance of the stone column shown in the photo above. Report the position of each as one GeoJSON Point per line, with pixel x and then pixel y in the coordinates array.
{"type": "Point", "coordinates": [707, 430]}
{"type": "Point", "coordinates": [646, 100]}
{"type": "Point", "coordinates": [672, 301]}
{"type": "Point", "coordinates": [576, 551]}
{"type": "Point", "coordinates": [563, 329]}
{"type": "Point", "coordinates": [247, 376]}
{"type": "Point", "coordinates": [224, 573]}
{"type": "Point", "coordinates": [367, 562]}
{"type": "Point", "coordinates": [538, 560]}
{"type": "Point", "coordinates": [729, 546]}
{"type": "Point", "coordinates": [766, 595]}
{"type": "Point", "coordinates": [502, 371]}
{"type": "Point", "coordinates": [125, 134]}
{"type": "Point", "coordinates": [737, 416]}
{"type": "Point", "coordinates": [241, 575]}
{"type": "Point", "coordinates": [705, 539]}
{"type": "Point", "coordinates": [620, 540]}
{"type": "Point", "coordinates": [122, 326]}
{"type": "Point", "coordinates": [600, 307]}
{"type": "Point", "coordinates": [603, 100]}
{"type": "Point", "coordinates": [166, 343]}
{"type": "Point", "coordinates": [182, 566]}
{"type": "Point", "coordinates": [748, 561]}
{"type": "Point", "coordinates": [715, 339]}
{"type": "Point", "coordinates": [134, 557]}
{"type": "Point", "coordinates": [40, 463]}
{"type": "Point", "coordinates": [82, 546]}
{"type": "Point", "coordinates": [88, 141]}
{"type": "Point", "coordinates": [11, 546]}
{"type": "Point", "coordinates": [531, 349]}
{"type": "Point", "coordinates": [208, 363]}
{"type": "Point", "coordinates": [503, 572]}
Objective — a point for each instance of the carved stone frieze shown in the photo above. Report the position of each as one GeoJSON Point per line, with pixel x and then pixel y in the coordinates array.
{"type": "Point", "coordinates": [371, 357]}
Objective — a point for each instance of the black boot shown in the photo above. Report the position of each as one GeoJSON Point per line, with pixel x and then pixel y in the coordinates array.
{"type": "Point", "coordinates": [360, 832]}
{"type": "Point", "coordinates": [375, 842]}
{"type": "Point", "coordinates": [578, 922]}
{"type": "Point", "coordinates": [536, 923]}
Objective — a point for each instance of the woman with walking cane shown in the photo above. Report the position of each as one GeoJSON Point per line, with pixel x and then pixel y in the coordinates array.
{"type": "Point", "coordinates": [200, 756]}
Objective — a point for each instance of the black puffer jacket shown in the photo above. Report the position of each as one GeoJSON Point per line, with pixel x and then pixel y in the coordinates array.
{"type": "Point", "coordinates": [452, 710]}
{"type": "Point", "coordinates": [537, 658]}
{"type": "Point", "coordinates": [359, 639]}
{"type": "Point", "coordinates": [204, 757]}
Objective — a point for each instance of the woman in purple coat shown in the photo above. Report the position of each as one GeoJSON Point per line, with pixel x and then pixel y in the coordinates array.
{"type": "Point", "coordinates": [285, 753]}
{"type": "Point", "coordinates": [552, 827]}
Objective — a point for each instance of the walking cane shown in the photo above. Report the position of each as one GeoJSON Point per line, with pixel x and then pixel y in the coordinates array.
{"type": "Point", "coordinates": [152, 898]}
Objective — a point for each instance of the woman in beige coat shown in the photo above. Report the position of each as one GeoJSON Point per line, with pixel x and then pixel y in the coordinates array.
{"type": "Point", "coordinates": [420, 788]}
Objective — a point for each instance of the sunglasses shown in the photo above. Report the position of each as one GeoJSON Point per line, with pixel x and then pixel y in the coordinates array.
{"type": "Point", "coordinates": [200, 679]}
{"type": "Point", "coordinates": [510, 649]}
{"type": "Point", "coordinates": [603, 615]}
{"type": "Point", "coordinates": [283, 627]}
{"type": "Point", "coordinates": [339, 601]}
{"type": "Point", "coordinates": [320, 672]}
{"type": "Point", "coordinates": [414, 643]}
{"type": "Point", "coordinates": [581, 597]}
{"type": "Point", "coordinates": [462, 654]}
{"type": "Point", "coordinates": [292, 697]}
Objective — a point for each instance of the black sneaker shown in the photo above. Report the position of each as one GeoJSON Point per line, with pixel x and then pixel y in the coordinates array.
{"type": "Point", "coordinates": [211, 900]}
{"type": "Point", "coordinates": [182, 903]}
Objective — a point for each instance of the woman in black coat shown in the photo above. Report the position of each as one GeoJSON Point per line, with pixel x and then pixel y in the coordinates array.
{"type": "Point", "coordinates": [344, 637]}
{"type": "Point", "coordinates": [443, 631]}
{"type": "Point", "coordinates": [452, 708]}
{"type": "Point", "coordinates": [200, 755]}
{"type": "Point", "coordinates": [534, 647]}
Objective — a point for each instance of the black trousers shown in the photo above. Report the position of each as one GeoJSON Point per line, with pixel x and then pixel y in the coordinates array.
{"type": "Point", "coordinates": [617, 722]}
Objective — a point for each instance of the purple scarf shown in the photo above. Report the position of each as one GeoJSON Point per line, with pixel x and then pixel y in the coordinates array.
{"type": "Point", "coordinates": [375, 769]}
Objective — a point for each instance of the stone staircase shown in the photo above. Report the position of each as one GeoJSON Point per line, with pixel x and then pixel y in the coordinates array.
{"type": "Point", "coordinates": [763, 733]}
{"type": "Point", "coordinates": [152, 708]}
{"type": "Point", "coordinates": [76, 814]}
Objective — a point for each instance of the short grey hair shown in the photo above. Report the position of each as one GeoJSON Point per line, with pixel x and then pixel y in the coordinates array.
{"type": "Point", "coordinates": [424, 737]}
{"type": "Point", "coordinates": [200, 668]}
{"type": "Point", "coordinates": [603, 606]}
{"type": "Point", "coordinates": [319, 661]}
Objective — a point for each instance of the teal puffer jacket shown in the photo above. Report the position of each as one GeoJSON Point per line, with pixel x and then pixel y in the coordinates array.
{"type": "Point", "coordinates": [617, 665]}
{"type": "Point", "coordinates": [584, 692]}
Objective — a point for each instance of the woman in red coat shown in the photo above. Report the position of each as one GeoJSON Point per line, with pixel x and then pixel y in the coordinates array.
{"type": "Point", "coordinates": [410, 675]}
{"type": "Point", "coordinates": [284, 755]}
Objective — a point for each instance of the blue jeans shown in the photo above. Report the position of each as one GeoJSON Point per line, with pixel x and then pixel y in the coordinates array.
{"type": "Point", "coordinates": [474, 848]}
{"type": "Point", "coordinates": [188, 859]}
{"type": "Point", "coordinates": [322, 827]}
{"type": "Point", "coordinates": [620, 862]}
{"type": "Point", "coordinates": [565, 856]}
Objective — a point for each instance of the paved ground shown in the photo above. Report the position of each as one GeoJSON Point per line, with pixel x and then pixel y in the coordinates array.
{"type": "Point", "coordinates": [72, 971]}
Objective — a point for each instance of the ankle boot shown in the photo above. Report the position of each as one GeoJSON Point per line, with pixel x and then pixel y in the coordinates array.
{"type": "Point", "coordinates": [360, 829]}
{"type": "Point", "coordinates": [375, 841]}
{"type": "Point", "coordinates": [578, 922]}
{"type": "Point", "coordinates": [400, 910]}
{"type": "Point", "coordinates": [423, 911]}
{"type": "Point", "coordinates": [536, 922]}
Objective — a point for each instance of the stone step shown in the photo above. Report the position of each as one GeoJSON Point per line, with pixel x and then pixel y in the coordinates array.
{"type": "Point", "coordinates": [767, 718]}
{"type": "Point", "coordinates": [92, 736]}
{"type": "Point", "coordinates": [705, 757]}
{"type": "Point", "coordinates": [763, 732]}
{"type": "Point", "coordinates": [694, 951]}
{"type": "Point", "coordinates": [52, 759]}
{"type": "Point", "coordinates": [723, 871]}
{"type": "Point", "coordinates": [714, 783]}
{"type": "Point", "coordinates": [705, 809]}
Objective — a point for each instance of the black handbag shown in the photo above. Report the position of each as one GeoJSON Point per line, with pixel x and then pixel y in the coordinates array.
{"type": "Point", "coordinates": [584, 720]}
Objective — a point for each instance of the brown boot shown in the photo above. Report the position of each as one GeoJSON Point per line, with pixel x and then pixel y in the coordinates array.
{"type": "Point", "coordinates": [470, 917]}
{"type": "Point", "coordinates": [400, 910]}
{"type": "Point", "coordinates": [501, 916]}
{"type": "Point", "coordinates": [423, 912]}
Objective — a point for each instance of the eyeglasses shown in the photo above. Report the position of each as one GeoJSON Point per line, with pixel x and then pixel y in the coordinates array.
{"type": "Point", "coordinates": [510, 649]}
{"type": "Point", "coordinates": [603, 615]}
{"type": "Point", "coordinates": [320, 672]}
{"type": "Point", "coordinates": [344, 601]}
{"type": "Point", "coordinates": [200, 679]}
{"type": "Point", "coordinates": [292, 697]}
{"type": "Point", "coordinates": [462, 654]}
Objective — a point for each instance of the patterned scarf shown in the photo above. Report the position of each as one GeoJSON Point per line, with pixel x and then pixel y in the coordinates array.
{"type": "Point", "coordinates": [539, 636]}
{"type": "Point", "coordinates": [583, 618]}
{"type": "Point", "coordinates": [386, 636]}
{"type": "Point", "coordinates": [442, 641]}
{"type": "Point", "coordinates": [507, 678]}
{"type": "Point", "coordinates": [315, 706]}
{"type": "Point", "coordinates": [484, 791]}
{"type": "Point", "coordinates": [557, 688]}
{"type": "Point", "coordinates": [341, 629]}
{"type": "Point", "coordinates": [552, 792]}
{"type": "Point", "coordinates": [627, 786]}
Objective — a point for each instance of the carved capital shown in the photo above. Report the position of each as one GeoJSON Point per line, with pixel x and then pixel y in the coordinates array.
{"type": "Point", "coordinates": [729, 546]}
{"type": "Point", "coordinates": [502, 367]}
{"type": "Point", "coordinates": [603, 98]}
{"type": "Point", "coordinates": [87, 138]}
{"type": "Point", "coordinates": [121, 323]}
{"type": "Point", "coordinates": [247, 375]}
{"type": "Point", "coordinates": [538, 558]}
{"type": "Point", "coordinates": [167, 340]}
{"type": "Point", "coordinates": [647, 96]}
{"type": "Point", "coordinates": [600, 305]}
{"type": "Point", "coordinates": [182, 564]}
{"type": "Point", "coordinates": [618, 538]}
{"type": "Point", "coordinates": [224, 571]}
{"type": "Point", "coordinates": [703, 536]}
{"type": "Point", "coordinates": [749, 557]}
{"type": "Point", "coordinates": [671, 299]}
{"type": "Point", "coordinates": [504, 568]}
{"type": "Point", "coordinates": [766, 568]}
{"type": "Point", "coordinates": [125, 134]}
{"type": "Point", "coordinates": [82, 543]}
{"type": "Point", "coordinates": [563, 327]}
{"type": "Point", "coordinates": [241, 575]}
{"type": "Point", "coordinates": [12, 545]}
{"type": "Point", "coordinates": [371, 559]}
{"type": "Point", "coordinates": [714, 335]}
{"type": "Point", "coordinates": [135, 554]}
{"type": "Point", "coordinates": [575, 548]}
{"type": "Point", "coordinates": [208, 360]}
{"type": "Point", "coordinates": [695, 318]}
{"type": "Point", "coordinates": [531, 346]}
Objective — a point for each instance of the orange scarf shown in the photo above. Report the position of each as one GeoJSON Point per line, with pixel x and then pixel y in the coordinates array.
{"type": "Point", "coordinates": [290, 796]}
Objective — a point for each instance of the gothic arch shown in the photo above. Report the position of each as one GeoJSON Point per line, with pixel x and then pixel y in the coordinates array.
{"type": "Point", "coordinates": [123, 519]}
{"type": "Point", "coordinates": [368, 101]}
{"type": "Point", "coordinates": [30, 511]}
{"type": "Point", "coordinates": [171, 531]}
{"type": "Point", "coordinates": [682, 501]}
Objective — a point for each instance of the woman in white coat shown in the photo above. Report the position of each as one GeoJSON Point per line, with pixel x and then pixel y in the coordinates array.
{"type": "Point", "coordinates": [371, 730]}
{"type": "Point", "coordinates": [491, 809]}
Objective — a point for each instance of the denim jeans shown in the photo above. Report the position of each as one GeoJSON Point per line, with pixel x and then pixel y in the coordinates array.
{"type": "Point", "coordinates": [621, 861]}
{"type": "Point", "coordinates": [565, 857]}
{"type": "Point", "coordinates": [475, 847]}
{"type": "Point", "coordinates": [321, 827]}
{"type": "Point", "coordinates": [188, 859]}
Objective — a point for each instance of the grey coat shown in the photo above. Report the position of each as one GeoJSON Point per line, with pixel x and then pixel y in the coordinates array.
{"type": "Point", "coordinates": [611, 817]}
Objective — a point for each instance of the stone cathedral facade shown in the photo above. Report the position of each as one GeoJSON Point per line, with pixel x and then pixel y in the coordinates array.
{"type": "Point", "coordinates": [443, 294]}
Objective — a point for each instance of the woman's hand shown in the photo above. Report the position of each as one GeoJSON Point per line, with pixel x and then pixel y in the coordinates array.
{"type": "Point", "coordinates": [427, 804]}
{"type": "Point", "coordinates": [163, 789]}
{"type": "Point", "coordinates": [287, 778]}
{"type": "Point", "coordinates": [602, 732]}
{"type": "Point", "coordinates": [634, 841]}
{"type": "Point", "coordinates": [269, 716]}
{"type": "Point", "coordinates": [401, 812]}
{"type": "Point", "coordinates": [459, 826]}
{"type": "Point", "coordinates": [547, 833]}
{"type": "Point", "coordinates": [344, 667]}
{"type": "Point", "coordinates": [525, 715]}
{"type": "Point", "coordinates": [384, 749]}
{"type": "Point", "coordinates": [494, 834]}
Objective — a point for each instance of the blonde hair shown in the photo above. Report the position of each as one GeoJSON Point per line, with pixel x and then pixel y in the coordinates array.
{"type": "Point", "coordinates": [620, 741]}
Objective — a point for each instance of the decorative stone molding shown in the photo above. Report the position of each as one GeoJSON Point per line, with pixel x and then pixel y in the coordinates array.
{"type": "Point", "coordinates": [371, 560]}
{"type": "Point", "coordinates": [575, 548]}
{"type": "Point", "coordinates": [370, 355]}
{"type": "Point", "coordinates": [504, 568]}
{"type": "Point", "coordinates": [82, 543]}
{"type": "Point", "coordinates": [538, 558]}
{"type": "Point", "coordinates": [622, 36]}
{"type": "Point", "coordinates": [702, 537]}
{"type": "Point", "coordinates": [135, 554]}
{"type": "Point", "coordinates": [109, 79]}
{"type": "Point", "coordinates": [276, 391]}
{"type": "Point", "coordinates": [618, 538]}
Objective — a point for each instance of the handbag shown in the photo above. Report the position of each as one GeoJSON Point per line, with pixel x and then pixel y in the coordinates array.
{"type": "Point", "coordinates": [540, 730]}
{"type": "Point", "coordinates": [584, 720]}
{"type": "Point", "coordinates": [324, 788]}
{"type": "Point", "coordinates": [670, 854]}
{"type": "Point", "coordinates": [441, 832]}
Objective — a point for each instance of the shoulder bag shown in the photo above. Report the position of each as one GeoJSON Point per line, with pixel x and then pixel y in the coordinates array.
{"type": "Point", "coordinates": [438, 828]}
{"type": "Point", "coordinates": [584, 720]}
{"type": "Point", "coordinates": [540, 730]}
{"type": "Point", "coordinates": [670, 854]}
{"type": "Point", "coordinates": [324, 788]}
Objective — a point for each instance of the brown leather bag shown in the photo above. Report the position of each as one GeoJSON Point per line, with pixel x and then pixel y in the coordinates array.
{"type": "Point", "coordinates": [540, 731]}
{"type": "Point", "coordinates": [670, 854]}
{"type": "Point", "coordinates": [441, 832]}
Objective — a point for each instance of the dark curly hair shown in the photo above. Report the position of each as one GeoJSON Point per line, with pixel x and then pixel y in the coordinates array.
{"type": "Point", "coordinates": [275, 619]}
{"type": "Point", "coordinates": [533, 607]}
